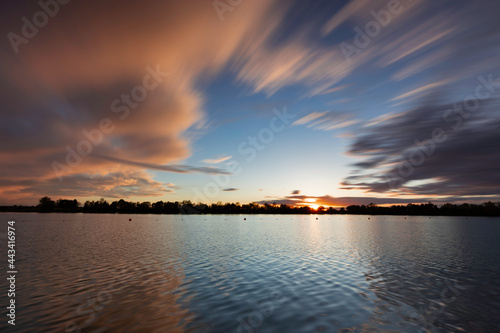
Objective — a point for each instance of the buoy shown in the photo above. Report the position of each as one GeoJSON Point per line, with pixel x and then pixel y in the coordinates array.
{"type": "Point", "coordinates": [130, 219]}
{"type": "Point", "coordinates": [245, 219]}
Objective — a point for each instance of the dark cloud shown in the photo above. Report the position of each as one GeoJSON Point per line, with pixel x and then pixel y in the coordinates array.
{"type": "Point", "coordinates": [231, 189]}
{"type": "Point", "coordinates": [296, 192]}
{"type": "Point", "coordinates": [403, 154]}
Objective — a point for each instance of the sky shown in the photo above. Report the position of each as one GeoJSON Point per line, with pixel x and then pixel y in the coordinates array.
{"type": "Point", "coordinates": [320, 102]}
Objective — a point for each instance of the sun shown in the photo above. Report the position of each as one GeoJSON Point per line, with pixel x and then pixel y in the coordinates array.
{"type": "Point", "coordinates": [314, 206]}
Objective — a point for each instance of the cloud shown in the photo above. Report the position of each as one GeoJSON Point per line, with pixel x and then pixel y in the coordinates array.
{"type": "Point", "coordinates": [310, 117]}
{"type": "Point", "coordinates": [295, 192]}
{"type": "Point", "coordinates": [216, 160]}
{"type": "Point", "coordinates": [66, 79]}
{"type": "Point", "coordinates": [423, 63]}
{"type": "Point", "coordinates": [353, 10]}
{"type": "Point", "coordinates": [231, 189]}
{"type": "Point", "coordinates": [326, 121]}
{"type": "Point", "coordinates": [169, 168]}
{"type": "Point", "coordinates": [335, 89]}
{"type": "Point", "coordinates": [417, 92]}
{"type": "Point", "coordinates": [382, 118]}
{"type": "Point", "coordinates": [402, 155]}
{"type": "Point", "coordinates": [112, 185]}
{"type": "Point", "coordinates": [326, 200]}
{"type": "Point", "coordinates": [298, 62]}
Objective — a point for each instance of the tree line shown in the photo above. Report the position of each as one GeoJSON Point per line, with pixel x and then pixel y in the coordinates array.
{"type": "Point", "coordinates": [47, 205]}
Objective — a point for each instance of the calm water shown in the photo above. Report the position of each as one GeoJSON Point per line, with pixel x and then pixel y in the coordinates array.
{"type": "Point", "coordinates": [104, 273]}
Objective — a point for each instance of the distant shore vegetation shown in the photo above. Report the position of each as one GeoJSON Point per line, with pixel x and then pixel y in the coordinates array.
{"type": "Point", "coordinates": [47, 205]}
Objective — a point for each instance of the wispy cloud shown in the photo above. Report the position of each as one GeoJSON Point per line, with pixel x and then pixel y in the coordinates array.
{"type": "Point", "coordinates": [216, 160]}
{"type": "Point", "coordinates": [310, 117]}
{"type": "Point", "coordinates": [169, 168]}
{"type": "Point", "coordinates": [335, 89]}
{"type": "Point", "coordinates": [327, 121]}
{"type": "Point", "coordinates": [417, 92]}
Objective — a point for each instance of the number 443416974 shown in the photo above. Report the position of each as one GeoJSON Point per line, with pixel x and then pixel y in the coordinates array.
{"type": "Point", "coordinates": [11, 252]}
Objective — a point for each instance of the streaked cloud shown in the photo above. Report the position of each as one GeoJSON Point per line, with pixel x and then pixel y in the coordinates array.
{"type": "Point", "coordinates": [418, 91]}
{"type": "Point", "coordinates": [327, 200]}
{"type": "Point", "coordinates": [327, 121]}
{"type": "Point", "coordinates": [170, 168]}
{"type": "Point", "coordinates": [216, 160]}
{"type": "Point", "coordinates": [352, 11]}
{"type": "Point", "coordinates": [113, 185]}
{"type": "Point", "coordinates": [335, 89]}
{"type": "Point", "coordinates": [401, 154]}
{"type": "Point", "coordinates": [310, 117]}
{"type": "Point", "coordinates": [66, 79]}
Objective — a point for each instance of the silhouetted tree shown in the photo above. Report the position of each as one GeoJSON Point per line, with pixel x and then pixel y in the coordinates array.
{"type": "Point", "coordinates": [46, 205]}
{"type": "Point", "coordinates": [67, 206]}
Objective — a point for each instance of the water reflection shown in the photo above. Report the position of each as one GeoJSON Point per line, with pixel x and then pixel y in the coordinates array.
{"type": "Point", "coordinates": [101, 273]}
{"type": "Point", "coordinates": [418, 271]}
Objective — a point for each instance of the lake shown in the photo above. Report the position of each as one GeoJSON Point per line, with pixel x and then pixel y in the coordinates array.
{"type": "Point", "coordinates": [268, 273]}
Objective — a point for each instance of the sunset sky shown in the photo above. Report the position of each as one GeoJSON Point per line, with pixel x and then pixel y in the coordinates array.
{"type": "Point", "coordinates": [317, 102]}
